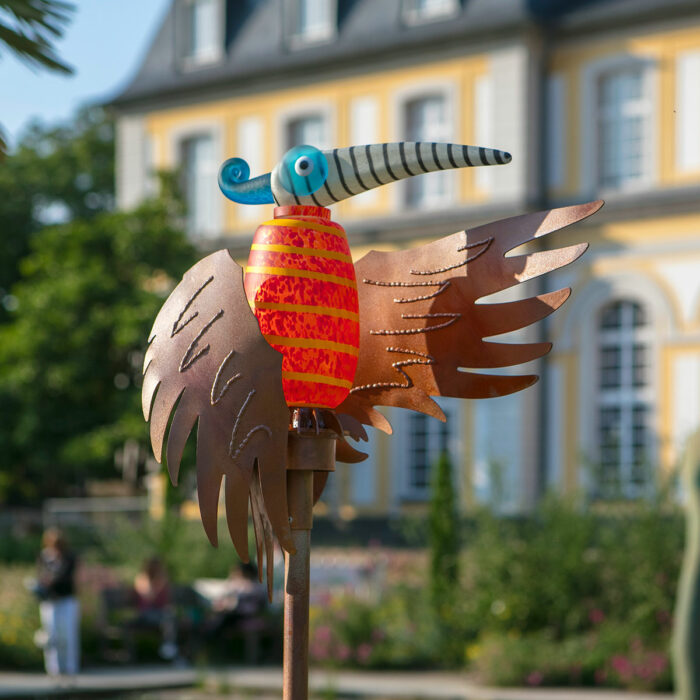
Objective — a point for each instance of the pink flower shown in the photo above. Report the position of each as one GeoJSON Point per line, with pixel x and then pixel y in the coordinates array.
{"type": "Point", "coordinates": [622, 666]}
{"type": "Point", "coordinates": [535, 678]}
{"type": "Point", "coordinates": [596, 616]}
{"type": "Point", "coordinates": [600, 676]}
{"type": "Point", "coordinates": [343, 652]}
{"type": "Point", "coordinates": [364, 651]}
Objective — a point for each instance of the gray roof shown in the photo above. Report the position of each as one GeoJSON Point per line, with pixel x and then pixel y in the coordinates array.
{"type": "Point", "coordinates": [257, 54]}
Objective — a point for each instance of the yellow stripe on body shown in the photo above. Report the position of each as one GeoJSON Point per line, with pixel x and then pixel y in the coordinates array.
{"type": "Point", "coordinates": [295, 223]}
{"type": "Point", "coordinates": [317, 252]}
{"type": "Point", "coordinates": [305, 309]}
{"type": "Point", "coordinates": [293, 272]}
{"type": "Point", "coordinates": [314, 343]}
{"type": "Point", "coordinates": [318, 378]}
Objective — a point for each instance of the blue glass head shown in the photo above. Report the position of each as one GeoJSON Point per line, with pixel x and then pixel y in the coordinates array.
{"type": "Point", "coordinates": [303, 170]}
{"type": "Point", "coordinates": [235, 183]}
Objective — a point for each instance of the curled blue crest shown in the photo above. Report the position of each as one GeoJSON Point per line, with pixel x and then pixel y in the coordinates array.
{"type": "Point", "coordinates": [303, 170]}
{"type": "Point", "coordinates": [235, 183]}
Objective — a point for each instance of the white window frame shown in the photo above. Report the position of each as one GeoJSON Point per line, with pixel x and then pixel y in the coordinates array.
{"type": "Point", "coordinates": [626, 398]}
{"type": "Point", "coordinates": [364, 115]}
{"type": "Point", "coordinates": [250, 145]}
{"type": "Point", "coordinates": [412, 13]}
{"type": "Point", "coordinates": [192, 130]}
{"type": "Point", "coordinates": [688, 112]}
{"type": "Point", "coordinates": [195, 61]}
{"type": "Point", "coordinates": [298, 39]}
{"type": "Point", "coordinates": [577, 331]}
{"type": "Point", "coordinates": [311, 108]}
{"type": "Point", "coordinates": [591, 77]}
{"type": "Point", "coordinates": [401, 446]}
{"type": "Point", "coordinates": [447, 90]}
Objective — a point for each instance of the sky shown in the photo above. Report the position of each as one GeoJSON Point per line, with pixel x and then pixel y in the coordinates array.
{"type": "Point", "coordinates": [104, 43]}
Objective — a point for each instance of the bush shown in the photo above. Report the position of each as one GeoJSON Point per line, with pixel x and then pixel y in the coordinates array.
{"type": "Point", "coordinates": [610, 656]}
{"type": "Point", "coordinates": [564, 596]}
{"type": "Point", "coordinates": [19, 548]}
{"type": "Point", "coordinates": [19, 619]}
{"type": "Point", "coordinates": [398, 631]}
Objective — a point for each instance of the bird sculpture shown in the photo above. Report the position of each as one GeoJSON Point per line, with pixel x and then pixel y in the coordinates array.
{"type": "Point", "coordinates": [306, 330]}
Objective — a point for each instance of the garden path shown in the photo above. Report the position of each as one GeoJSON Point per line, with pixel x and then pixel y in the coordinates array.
{"type": "Point", "coordinates": [254, 682]}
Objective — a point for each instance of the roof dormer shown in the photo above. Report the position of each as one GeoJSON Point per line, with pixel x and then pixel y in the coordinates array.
{"type": "Point", "coordinates": [201, 31]}
{"type": "Point", "coordinates": [310, 22]}
{"type": "Point", "coordinates": [424, 11]}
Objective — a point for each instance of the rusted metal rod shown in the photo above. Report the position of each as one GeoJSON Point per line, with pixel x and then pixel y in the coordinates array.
{"type": "Point", "coordinates": [306, 454]}
{"type": "Point", "coordinates": [296, 587]}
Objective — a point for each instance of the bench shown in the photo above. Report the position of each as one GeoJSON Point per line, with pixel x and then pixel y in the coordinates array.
{"type": "Point", "coordinates": [119, 625]}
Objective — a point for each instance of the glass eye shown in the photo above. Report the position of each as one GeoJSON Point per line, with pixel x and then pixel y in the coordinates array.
{"type": "Point", "coordinates": [303, 170]}
{"type": "Point", "coordinates": [304, 166]}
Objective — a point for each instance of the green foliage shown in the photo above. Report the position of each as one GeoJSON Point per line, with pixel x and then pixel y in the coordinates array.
{"type": "Point", "coordinates": [55, 173]}
{"type": "Point", "coordinates": [395, 632]}
{"type": "Point", "coordinates": [181, 544]}
{"type": "Point", "coordinates": [70, 358]}
{"type": "Point", "coordinates": [564, 596]}
{"type": "Point", "coordinates": [444, 547]}
{"type": "Point", "coordinates": [19, 619]}
{"type": "Point", "coordinates": [443, 535]}
{"type": "Point", "coordinates": [609, 656]}
{"type": "Point", "coordinates": [28, 28]}
{"type": "Point", "coordinates": [508, 561]}
{"type": "Point", "coordinates": [16, 549]}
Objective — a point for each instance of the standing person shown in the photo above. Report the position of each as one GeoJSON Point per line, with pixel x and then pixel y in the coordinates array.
{"type": "Point", "coordinates": [59, 608]}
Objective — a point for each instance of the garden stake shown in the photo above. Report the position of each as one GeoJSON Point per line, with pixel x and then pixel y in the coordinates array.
{"type": "Point", "coordinates": [236, 354]}
{"type": "Point", "coordinates": [306, 454]}
{"type": "Point", "coordinates": [686, 627]}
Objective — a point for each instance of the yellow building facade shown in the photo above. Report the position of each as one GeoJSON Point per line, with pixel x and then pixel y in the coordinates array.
{"type": "Point", "coordinates": [596, 101]}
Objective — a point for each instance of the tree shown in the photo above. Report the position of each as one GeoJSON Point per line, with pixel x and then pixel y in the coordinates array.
{"type": "Point", "coordinates": [444, 545]}
{"type": "Point", "coordinates": [56, 173]}
{"type": "Point", "coordinates": [70, 359]}
{"type": "Point", "coordinates": [28, 29]}
{"type": "Point", "coordinates": [443, 535]}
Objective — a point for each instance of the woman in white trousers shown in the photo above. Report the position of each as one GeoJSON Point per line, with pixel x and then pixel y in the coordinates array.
{"type": "Point", "coordinates": [59, 608]}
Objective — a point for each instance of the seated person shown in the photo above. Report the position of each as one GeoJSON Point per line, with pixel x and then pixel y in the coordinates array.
{"type": "Point", "coordinates": [152, 597]}
{"type": "Point", "coordinates": [244, 598]}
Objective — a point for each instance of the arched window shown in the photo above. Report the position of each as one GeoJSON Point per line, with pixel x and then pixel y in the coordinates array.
{"type": "Point", "coordinates": [419, 441]}
{"type": "Point", "coordinates": [625, 399]}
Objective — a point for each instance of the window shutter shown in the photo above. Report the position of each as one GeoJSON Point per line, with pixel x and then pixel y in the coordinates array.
{"type": "Point", "coordinates": [483, 115]}
{"type": "Point", "coordinates": [688, 111]}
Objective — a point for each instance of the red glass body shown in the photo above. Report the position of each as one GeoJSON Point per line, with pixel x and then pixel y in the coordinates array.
{"type": "Point", "coordinates": [300, 283]}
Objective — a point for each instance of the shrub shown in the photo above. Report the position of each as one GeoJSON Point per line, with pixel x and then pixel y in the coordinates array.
{"type": "Point", "coordinates": [395, 632]}
{"type": "Point", "coordinates": [19, 619]}
{"type": "Point", "coordinates": [610, 656]}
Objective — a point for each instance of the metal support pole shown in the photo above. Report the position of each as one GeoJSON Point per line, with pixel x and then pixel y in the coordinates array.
{"type": "Point", "coordinates": [306, 454]}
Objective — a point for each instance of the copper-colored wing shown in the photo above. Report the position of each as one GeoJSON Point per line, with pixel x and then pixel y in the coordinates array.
{"type": "Point", "coordinates": [420, 325]}
{"type": "Point", "coordinates": [208, 362]}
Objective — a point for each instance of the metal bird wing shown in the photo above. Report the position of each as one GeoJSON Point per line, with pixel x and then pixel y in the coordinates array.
{"type": "Point", "coordinates": [208, 362]}
{"type": "Point", "coordinates": [421, 330]}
